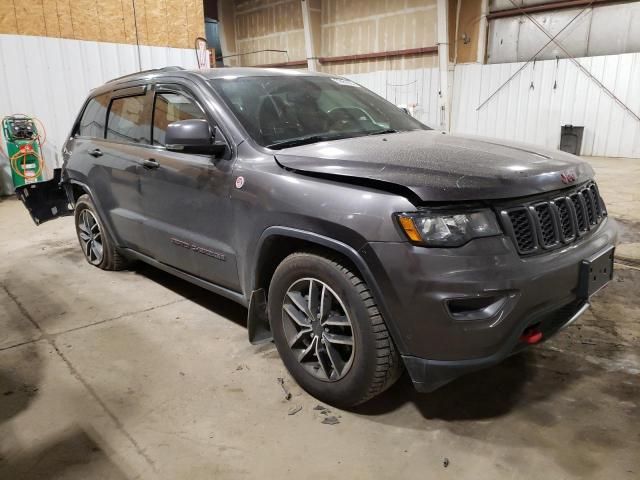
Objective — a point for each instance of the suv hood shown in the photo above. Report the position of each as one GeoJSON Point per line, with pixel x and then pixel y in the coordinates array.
{"type": "Point", "coordinates": [439, 167]}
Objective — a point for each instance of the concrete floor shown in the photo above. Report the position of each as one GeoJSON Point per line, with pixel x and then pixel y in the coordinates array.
{"type": "Point", "coordinates": [136, 374]}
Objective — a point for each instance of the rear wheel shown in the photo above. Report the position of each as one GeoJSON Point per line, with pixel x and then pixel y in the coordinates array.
{"type": "Point", "coordinates": [329, 332]}
{"type": "Point", "coordinates": [96, 243]}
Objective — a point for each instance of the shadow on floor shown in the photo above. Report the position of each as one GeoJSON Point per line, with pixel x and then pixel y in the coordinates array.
{"type": "Point", "coordinates": [485, 394]}
{"type": "Point", "coordinates": [206, 299]}
{"type": "Point", "coordinates": [69, 452]}
{"type": "Point", "coordinates": [15, 396]}
{"type": "Point", "coordinates": [72, 454]}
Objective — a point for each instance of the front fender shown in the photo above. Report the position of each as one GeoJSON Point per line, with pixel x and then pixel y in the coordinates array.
{"type": "Point", "coordinates": [355, 255]}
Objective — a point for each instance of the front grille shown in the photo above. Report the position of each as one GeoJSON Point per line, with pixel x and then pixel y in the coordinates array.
{"type": "Point", "coordinates": [522, 230]}
{"type": "Point", "coordinates": [548, 230]}
{"type": "Point", "coordinates": [567, 227]}
{"type": "Point", "coordinates": [552, 221]}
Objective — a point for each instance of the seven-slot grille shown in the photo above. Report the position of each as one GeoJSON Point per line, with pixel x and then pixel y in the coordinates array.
{"type": "Point", "coordinates": [549, 223]}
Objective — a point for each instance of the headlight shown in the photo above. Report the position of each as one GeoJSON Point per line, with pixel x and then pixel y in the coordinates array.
{"type": "Point", "coordinates": [441, 229]}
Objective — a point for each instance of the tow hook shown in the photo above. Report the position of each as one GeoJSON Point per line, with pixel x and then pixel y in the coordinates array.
{"type": "Point", "coordinates": [531, 335]}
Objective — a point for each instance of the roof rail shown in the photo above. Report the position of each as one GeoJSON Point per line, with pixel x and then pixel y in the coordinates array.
{"type": "Point", "coordinates": [173, 68]}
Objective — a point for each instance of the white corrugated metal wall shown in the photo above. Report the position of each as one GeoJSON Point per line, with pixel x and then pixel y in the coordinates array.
{"type": "Point", "coordinates": [415, 89]}
{"type": "Point", "coordinates": [602, 30]}
{"type": "Point", "coordinates": [548, 94]}
{"type": "Point", "coordinates": [49, 78]}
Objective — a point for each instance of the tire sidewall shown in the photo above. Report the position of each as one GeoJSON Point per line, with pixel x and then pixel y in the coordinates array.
{"type": "Point", "coordinates": [85, 203]}
{"type": "Point", "coordinates": [355, 385]}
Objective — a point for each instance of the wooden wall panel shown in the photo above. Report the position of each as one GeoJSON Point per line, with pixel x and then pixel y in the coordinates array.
{"type": "Point", "coordinates": [168, 23]}
{"type": "Point", "coordinates": [30, 18]}
{"type": "Point", "coordinates": [178, 35]}
{"type": "Point", "coordinates": [84, 17]}
{"type": "Point", "coordinates": [195, 20]}
{"type": "Point", "coordinates": [8, 21]}
{"type": "Point", "coordinates": [140, 25]}
{"type": "Point", "coordinates": [452, 24]}
{"type": "Point", "coordinates": [65, 24]}
{"type": "Point", "coordinates": [469, 24]}
{"type": "Point", "coordinates": [111, 22]}
{"type": "Point", "coordinates": [156, 20]}
{"type": "Point", "coordinates": [129, 22]}
{"type": "Point", "coordinates": [50, 13]}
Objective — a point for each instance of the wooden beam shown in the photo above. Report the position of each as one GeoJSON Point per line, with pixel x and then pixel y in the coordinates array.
{"type": "Point", "coordinates": [293, 63]}
{"type": "Point", "coordinates": [376, 55]}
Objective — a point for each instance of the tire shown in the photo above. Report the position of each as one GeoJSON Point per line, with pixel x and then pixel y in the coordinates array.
{"type": "Point", "coordinates": [360, 371]}
{"type": "Point", "coordinates": [85, 213]}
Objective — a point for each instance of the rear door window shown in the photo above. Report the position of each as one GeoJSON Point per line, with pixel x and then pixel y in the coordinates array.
{"type": "Point", "coordinates": [170, 107]}
{"type": "Point", "coordinates": [127, 121]}
{"type": "Point", "coordinates": [94, 117]}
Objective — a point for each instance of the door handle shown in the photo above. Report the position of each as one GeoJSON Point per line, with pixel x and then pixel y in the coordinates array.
{"type": "Point", "coordinates": [96, 152]}
{"type": "Point", "coordinates": [150, 163]}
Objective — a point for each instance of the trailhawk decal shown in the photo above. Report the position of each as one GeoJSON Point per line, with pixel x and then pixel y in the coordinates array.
{"type": "Point", "coordinates": [198, 249]}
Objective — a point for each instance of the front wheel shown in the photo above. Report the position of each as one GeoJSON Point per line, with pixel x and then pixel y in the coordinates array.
{"type": "Point", "coordinates": [329, 332]}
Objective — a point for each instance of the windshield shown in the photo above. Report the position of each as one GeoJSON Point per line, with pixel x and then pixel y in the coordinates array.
{"type": "Point", "coordinates": [284, 111]}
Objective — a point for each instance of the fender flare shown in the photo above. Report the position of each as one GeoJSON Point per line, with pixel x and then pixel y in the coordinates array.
{"type": "Point", "coordinates": [69, 183]}
{"type": "Point", "coordinates": [258, 322]}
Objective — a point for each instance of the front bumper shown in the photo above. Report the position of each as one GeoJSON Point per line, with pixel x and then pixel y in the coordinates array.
{"type": "Point", "coordinates": [429, 375]}
{"type": "Point", "coordinates": [416, 284]}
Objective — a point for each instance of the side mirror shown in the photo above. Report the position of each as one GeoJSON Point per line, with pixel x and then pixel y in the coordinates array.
{"type": "Point", "coordinates": [194, 136]}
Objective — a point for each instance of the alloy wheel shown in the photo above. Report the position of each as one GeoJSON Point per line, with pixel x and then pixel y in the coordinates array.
{"type": "Point", "coordinates": [90, 237]}
{"type": "Point", "coordinates": [318, 329]}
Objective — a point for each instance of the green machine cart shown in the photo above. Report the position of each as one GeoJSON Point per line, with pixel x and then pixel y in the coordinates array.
{"type": "Point", "coordinates": [23, 149]}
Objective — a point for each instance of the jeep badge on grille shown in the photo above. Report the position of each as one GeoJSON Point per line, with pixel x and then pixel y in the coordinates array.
{"type": "Point", "coordinates": [568, 176]}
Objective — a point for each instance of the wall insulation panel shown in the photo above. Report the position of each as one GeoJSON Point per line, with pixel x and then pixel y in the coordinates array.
{"type": "Point", "coordinates": [543, 97]}
{"type": "Point", "coordinates": [60, 73]}
{"type": "Point", "coordinates": [367, 26]}
{"type": "Point", "coordinates": [260, 25]}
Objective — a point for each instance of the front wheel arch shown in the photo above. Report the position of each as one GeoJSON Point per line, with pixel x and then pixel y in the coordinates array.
{"type": "Point", "coordinates": [275, 244]}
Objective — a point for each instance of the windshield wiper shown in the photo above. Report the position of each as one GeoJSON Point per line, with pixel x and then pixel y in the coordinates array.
{"type": "Point", "coordinates": [294, 142]}
{"type": "Point", "coordinates": [382, 132]}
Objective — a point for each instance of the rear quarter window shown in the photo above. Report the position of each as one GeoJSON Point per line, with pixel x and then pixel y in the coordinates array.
{"type": "Point", "coordinates": [94, 117]}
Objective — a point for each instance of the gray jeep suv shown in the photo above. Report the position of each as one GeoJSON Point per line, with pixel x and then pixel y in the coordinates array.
{"type": "Point", "coordinates": [361, 241]}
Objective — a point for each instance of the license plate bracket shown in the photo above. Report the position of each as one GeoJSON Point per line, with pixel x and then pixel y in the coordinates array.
{"type": "Point", "coordinates": [595, 272]}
